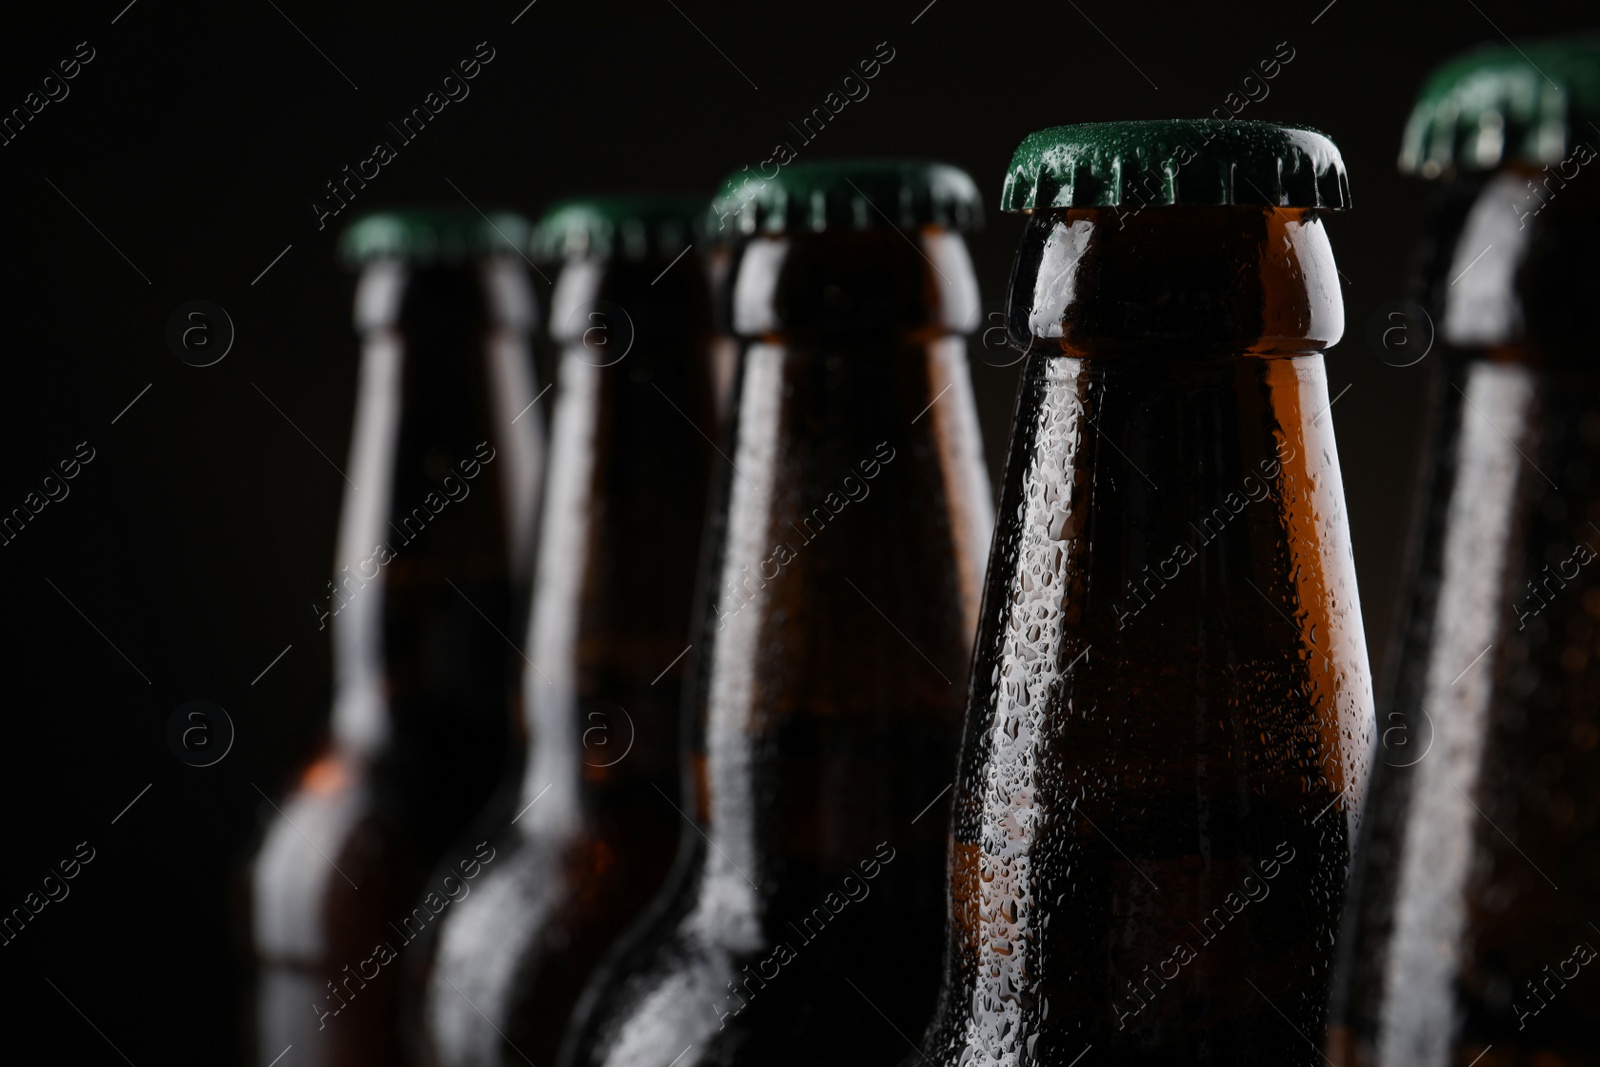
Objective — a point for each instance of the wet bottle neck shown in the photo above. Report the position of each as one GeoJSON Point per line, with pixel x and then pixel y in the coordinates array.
{"type": "Point", "coordinates": [842, 591]}
{"type": "Point", "coordinates": [1503, 539]}
{"type": "Point", "coordinates": [619, 537]}
{"type": "Point", "coordinates": [1506, 290]}
{"type": "Point", "coordinates": [1179, 497]}
{"type": "Point", "coordinates": [442, 483]}
{"type": "Point", "coordinates": [1173, 440]}
{"type": "Point", "coordinates": [1170, 647]}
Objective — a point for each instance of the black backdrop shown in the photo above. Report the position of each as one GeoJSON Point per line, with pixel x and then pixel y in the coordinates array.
{"type": "Point", "coordinates": [185, 156]}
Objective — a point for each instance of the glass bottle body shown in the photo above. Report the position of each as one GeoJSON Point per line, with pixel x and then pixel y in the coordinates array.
{"type": "Point", "coordinates": [431, 546]}
{"type": "Point", "coordinates": [594, 832]}
{"type": "Point", "coordinates": [1171, 711]}
{"type": "Point", "coordinates": [840, 596]}
{"type": "Point", "coordinates": [1469, 930]}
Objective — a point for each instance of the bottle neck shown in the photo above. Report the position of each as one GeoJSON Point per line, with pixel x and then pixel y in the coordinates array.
{"type": "Point", "coordinates": [842, 600]}
{"type": "Point", "coordinates": [441, 487]}
{"type": "Point", "coordinates": [1165, 486]}
{"type": "Point", "coordinates": [1500, 578]}
{"type": "Point", "coordinates": [618, 540]}
{"type": "Point", "coordinates": [1170, 660]}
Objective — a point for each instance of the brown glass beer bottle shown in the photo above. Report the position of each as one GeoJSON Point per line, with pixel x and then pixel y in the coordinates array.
{"type": "Point", "coordinates": [1471, 936]}
{"type": "Point", "coordinates": [592, 837]}
{"type": "Point", "coordinates": [443, 479]}
{"type": "Point", "coordinates": [1170, 711]}
{"type": "Point", "coordinates": [839, 603]}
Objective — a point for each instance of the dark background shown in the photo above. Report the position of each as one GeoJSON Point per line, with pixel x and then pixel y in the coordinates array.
{"type": "Point", "coordinates": [191, 547]}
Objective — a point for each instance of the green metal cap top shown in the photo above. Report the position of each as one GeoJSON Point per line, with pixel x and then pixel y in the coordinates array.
{"type": "Point", "coordinates": [1176, 161]}
{"type": "Point", "coordinates": [859, 194]}
{"type": "Point", "coordinates": [433, 235]}
{"type": "Point", "coordinates": [627, 227]}
{"type": "Point", "coordinates": [1503, 104]}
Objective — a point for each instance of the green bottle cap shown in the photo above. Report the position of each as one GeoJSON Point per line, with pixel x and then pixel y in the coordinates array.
{"type": "Point", "coordinates": [1504, 104]}
{"type": "Point", "coordinates": [857, 194]}
{"type": "Point", "coordinates": [433, 235]}
{"type": "Point", "coordinates": [1176, 161]}
{"type": "Point", "coordinates": [627, 227]}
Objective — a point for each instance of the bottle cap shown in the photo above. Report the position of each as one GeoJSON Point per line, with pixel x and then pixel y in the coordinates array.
{"type": "Point", "coordinates": [859, 194]}
{"type": "Point", "coordinates": [1504, 104]}
{"type": "Point", "coordinates": [433, 235]}
{"type": "Point", "coordinates": [626, 227]}
{"type": "Point", "coordinates": [1176, 161]}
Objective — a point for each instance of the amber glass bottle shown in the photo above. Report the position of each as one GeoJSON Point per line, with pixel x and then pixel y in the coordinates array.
{"type": "Point", "coordinates": [1471, 934]}
{"type": "Point", "coordinates": [594, 833]}
{"type": "Point", "coordinates": [840, 599]}
{"type": "Point", "coordinates": [1170, 712]}
{"type": "Point", "coordinates": [443, 479]}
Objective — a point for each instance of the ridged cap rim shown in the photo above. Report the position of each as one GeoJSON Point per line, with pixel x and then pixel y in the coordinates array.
{"type": "Point", "coordinates": [1502, 104]}
{"type": "Point", "coordinates": [433, 235]}
{"type": "Point", "coordinates": [633, 227]}
{"type": "Point", "coordinates": [862, 194]}
{"type": "Point", "coordinates": [1176, 161]}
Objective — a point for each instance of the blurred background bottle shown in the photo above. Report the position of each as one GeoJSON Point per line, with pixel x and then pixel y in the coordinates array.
{"type": "Point", "coordinates": [443, 480]}
{"type": "Point", "coordinates": [1171, 711]}
{"type": "Point", "coordinates": [718, 251]}
{"type": "Point", "coordinates": [593, 834]}
{"type": "Point", "coordinates": [839, 603]}
{"type": "Point", "coordinates": [1470, 935]}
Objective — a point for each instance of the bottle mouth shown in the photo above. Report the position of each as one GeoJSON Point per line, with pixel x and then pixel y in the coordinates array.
{"type": "Point", "coordinates": [1190, 279]}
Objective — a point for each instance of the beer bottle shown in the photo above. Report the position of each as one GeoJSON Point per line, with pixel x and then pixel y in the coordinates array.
{"type": "Point", "coordinates": [442, 485]}
{"type": "Point", "coordinates": [1170, 711]}
{"type": "Point", "coordinates": [593, 835]}
{"type": "Point", "coordinates": [1470, 930]}
{"type": "Point", "coordinates": [840, 599]}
